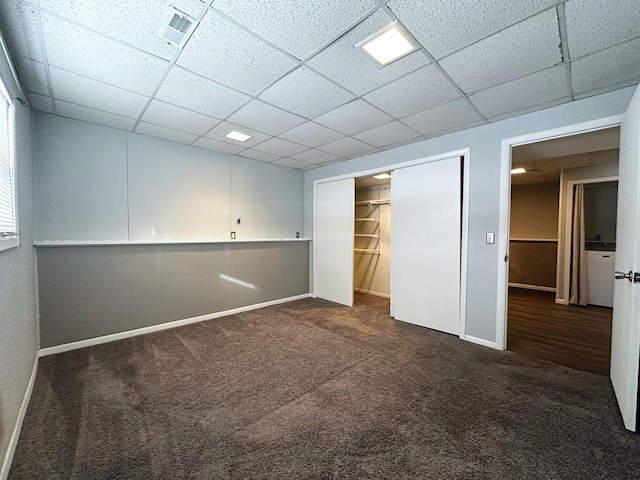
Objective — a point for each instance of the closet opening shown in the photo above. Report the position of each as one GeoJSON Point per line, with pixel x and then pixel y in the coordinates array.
{"type": "Point", "coordinates": [372, 241]}
{"type": "Point", "coordinates": [562, 238]}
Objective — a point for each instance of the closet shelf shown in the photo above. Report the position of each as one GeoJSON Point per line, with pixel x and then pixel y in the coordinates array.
{"type": "Point", "coordinates": [366, 220]}
{"type": "Point", "coordinates": [368, 235]}
{"type": "Point", "coordinates": [366, 251]}
{"type": "Point", "coordinates": [372, 203]}
{"type": "Point", "coordinates": [541, 240]}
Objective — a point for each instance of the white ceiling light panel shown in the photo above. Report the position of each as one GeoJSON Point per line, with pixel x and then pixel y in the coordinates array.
{"type": "Point", "coordinates": [217, 146]}
{"type": "Point", "coordinates": [520, 50]}
{"type": "Point", "coordinates": [306, 93]}
{"type": "Point", "coordinates": [219, 131]}
{"type": "Point", "coordinates": [302, 27]}
{"type": "Point", "coordinates": [265, 118]}
{"type": "Point", "coordinates": [350, 67]}
{"type": "Point", "coordinates": [353, 117]}
{"type": "Point", "coordinates": [389, 44]}
{"type": "Point", "coordinates": [595, 24]}
{"type": "Point", "coordinates": [536, 89]}
{"type": "Point", "coordinates": [223, 52]}
{"type": "Point", "coordinates": [420, 90]}
{"type": "Point", "coordinates": [444, 27]}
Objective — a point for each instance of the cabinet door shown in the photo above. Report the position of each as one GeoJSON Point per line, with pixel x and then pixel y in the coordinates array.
{"type": "Point", "coordinates": [425, 245]}
{"type": "Point", "coordinates": [333, 241]}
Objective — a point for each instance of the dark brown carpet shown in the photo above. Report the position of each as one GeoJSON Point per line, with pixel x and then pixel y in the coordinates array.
{"type": "Point", "coordinates": [314, 390]}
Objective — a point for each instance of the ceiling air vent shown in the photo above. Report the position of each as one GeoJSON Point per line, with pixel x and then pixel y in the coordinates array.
{"type": "Point", "coordinates": [177, 27]}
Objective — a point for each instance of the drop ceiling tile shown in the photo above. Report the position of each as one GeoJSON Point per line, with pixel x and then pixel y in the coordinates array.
{"type": "Point", "coordinates": [353, 117]}
{"type": "Point", "coordinates": [80, 51]}
{"type": "Point", "coordinates": [79, 112]}
{"type": "Point", "coordinates": [387, 134]}
{"type": "Point", "coordinates": [315, 157]}
{"type": "Point", "coordinates": [420, 90]}
{"type": "Point", "coordinates": [444, 117]}
{"type": "Point", "coordinates": [18, 25]}
{"type": "Point", "coordinates": [525, 48]}
{"type": "Point", "coordinates": [32, 75]}
{"type": "Point", "coordinates": [134, 23]}
{"type": "Point", "coordinates": [223, 52]}
{"type": "Point", "coordinates": [262, 156]}
{"type": "Point", "coordinates": [177, 118]}
{"type": "Point", "coordinates": [90, 93]}
{"type": "Point", "coordinates": [289, 162]}
{"type": "Point", "coordinates": [199, 94]}
{"type": "Point", "coordinates": [524, 111]}
{"type": "Point", "coordinates": [219, 132]}
{"type": "Point", "coordinates": [216, 146]}
{"type": "Point", "coordinates": [433, 24]}
{"type": "Point", "coordinates": [306, 93]}
{"type": "Point", "coordinates": [311, 134]}
{"type": "Point", "coordinates": [265, 118]}
{"type": "Point", "coordinates": [302, 27]}
{"type": "Point", "coordinates": [353, 69]}
{"type": "Point", "coordinates": [163, 132]}
{"type": "Point", "coordinates": [594, 25]}
{"type": "Point", "coordinates": [402, 144]}
{"type": "Point", "coordinates": [608, 67]}
{"type": "Point", "coordinates": [40, 102]}
{"type": "Point", "coordinates": [535, 89]}
{"type": "Point", "coordinates": [277, 146]}
{"type": "Point", "coordinates": [346, 146]}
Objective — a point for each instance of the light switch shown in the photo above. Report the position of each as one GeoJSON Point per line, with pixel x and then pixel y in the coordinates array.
{"type": "Point", "coordinates": [491, 238]}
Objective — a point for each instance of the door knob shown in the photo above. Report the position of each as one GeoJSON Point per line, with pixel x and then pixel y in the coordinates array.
{"type": "Point", "coordinates": [621, 275]}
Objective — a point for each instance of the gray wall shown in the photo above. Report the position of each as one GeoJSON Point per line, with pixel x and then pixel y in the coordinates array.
{"type": "Point", "coordinates": [91, 291]}
{"type": "Point", "coordinates": [18, 311]}
{"type": "Point", "coordinates": [95, 183]}
{"type": "Point", "coordinates": [484, 196]}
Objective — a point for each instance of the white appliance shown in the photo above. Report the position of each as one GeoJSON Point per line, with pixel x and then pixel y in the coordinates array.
{"type": "Point", "coordinates": [600, 268]}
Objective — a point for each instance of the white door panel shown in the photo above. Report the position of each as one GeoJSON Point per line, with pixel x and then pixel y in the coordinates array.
{"type": "Point", "coordinates": [625, 339]}
{"type": "Point", "coordinates": [425, 244]}
{"type": "Point", "coordinates": [334, 241]}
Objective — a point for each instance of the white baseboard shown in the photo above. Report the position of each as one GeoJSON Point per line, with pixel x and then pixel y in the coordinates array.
{"type": "Point", "coordinates": [371, 292]}
{"type": "Point", "coordinates": [480, 341]}
{"type": "Point", "coordinates": [163, 326]}
{"type": "Point", "coordinates": [13, 441]}
{"type": "Point", "coordinates": [532, 287]}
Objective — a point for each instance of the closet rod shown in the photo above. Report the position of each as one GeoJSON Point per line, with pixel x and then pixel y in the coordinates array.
{"type": "Point", "coordinates": [372, 203]}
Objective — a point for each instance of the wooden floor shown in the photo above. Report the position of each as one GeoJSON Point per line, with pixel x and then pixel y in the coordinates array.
{"type": "Point", "coordinates": [577, 337]}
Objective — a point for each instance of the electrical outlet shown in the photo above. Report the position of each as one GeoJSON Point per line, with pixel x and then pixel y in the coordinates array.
{"type": "Point", "coordinates": [297, 234]}
{"type": "Point", "coordinates": [233, 235]}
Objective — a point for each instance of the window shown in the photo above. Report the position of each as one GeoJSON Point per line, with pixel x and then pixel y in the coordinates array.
{"type": "Point", "coordinates": [8, 225]}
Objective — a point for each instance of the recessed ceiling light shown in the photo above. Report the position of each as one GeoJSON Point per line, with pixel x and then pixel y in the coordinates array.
{"type": "Point", "coordinates": [382, 176]}
{"type": "Point", "coordinates": [177, 27]}
{"type": "Point", "coordinates": [238, 136]}
{"type": "Point", "coordinates": [518, 170]}
{"type": "Point", "coordinates": [389, 44]}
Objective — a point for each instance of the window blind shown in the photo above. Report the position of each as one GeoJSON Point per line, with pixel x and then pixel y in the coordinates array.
{"type": "Point", "coordinates": [7, 192]}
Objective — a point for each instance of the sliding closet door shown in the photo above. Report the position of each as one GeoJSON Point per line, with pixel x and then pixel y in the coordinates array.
{"type": "Point", "coordinates": [334, 241]}
{"type": "Point", "coordinates": [425, 245]}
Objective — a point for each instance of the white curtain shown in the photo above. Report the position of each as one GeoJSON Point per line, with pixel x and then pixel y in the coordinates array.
{"type": "Point", "coordinates": [578, 257]}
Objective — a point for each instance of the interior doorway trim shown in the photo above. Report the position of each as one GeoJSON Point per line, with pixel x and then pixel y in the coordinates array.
{"type": "Point", "coordinates": [505, 193]}
{"type": "Point", "coordinates": [465, 153]}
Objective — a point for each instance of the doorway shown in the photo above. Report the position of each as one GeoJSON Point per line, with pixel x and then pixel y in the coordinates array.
{"type": "Point", "coordinates": [562, 249]}
{"type": "Point", "coordinates": [372, 241]}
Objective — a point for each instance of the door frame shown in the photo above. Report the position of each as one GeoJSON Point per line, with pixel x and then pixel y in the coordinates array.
{"type": "Point", "coordinates": [505, 205]}
{"type": "Point", "coordinates": [465, 153]}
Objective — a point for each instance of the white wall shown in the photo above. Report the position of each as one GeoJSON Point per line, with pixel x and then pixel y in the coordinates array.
{"type": "Point", "coordinates": [484, 183]}
{"type": "Point", "coordinates": [99, 183]}
{"type": "Point", "coordinates": [18, 311]}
